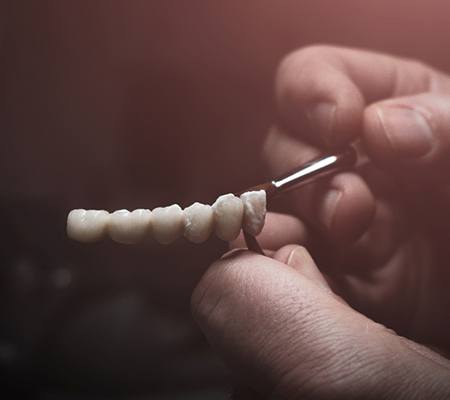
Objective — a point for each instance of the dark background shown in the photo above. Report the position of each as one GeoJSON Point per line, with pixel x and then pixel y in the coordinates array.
{"type": "Point", "coordinates": [123, 104]}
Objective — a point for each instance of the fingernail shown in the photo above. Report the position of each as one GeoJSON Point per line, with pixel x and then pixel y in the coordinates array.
{"type": "Point", "coordinates": [321, 117]}
{"type": "Point", "coordinates": [293, 259]}
{"type": "Point", "coordinates": [329, 206]}
{"type": "Point", "coordinates": [232, 253]}
{"type": "Point", "coordinates": [407, 130]}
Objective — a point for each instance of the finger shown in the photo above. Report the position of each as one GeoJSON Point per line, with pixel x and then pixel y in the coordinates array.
{"type": "Point", "coordinates": [279, 230]}
{"type": "Point", "coordinates": [410, 136]}
{"type": "Point", "coordinates": [299, 259]}
{"type": "Point", "coordinates": [389, 228]}
{"type": "Point", "coordinates": [285, 336]}
{"type": "Point", "coordinates": [321, 91]}
{"type": "Point", "coordinates": [376, 292]}
{"type": "Point", "coordinates": [341, 207]}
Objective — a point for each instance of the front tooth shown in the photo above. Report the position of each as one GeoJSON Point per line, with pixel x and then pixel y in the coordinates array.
{"type": "Point", "coordinates": [167, 223]}
{"type": "Point", "coordinates": [87, 225]}
{"type": "Point", "coordinates": [254, 211]}
{"type": "Point", "coordinates": [129, 227]}
{"type": "Point", "coordinates": [228, 213]}
{"type": "Point", "coordinates": [199, 222]}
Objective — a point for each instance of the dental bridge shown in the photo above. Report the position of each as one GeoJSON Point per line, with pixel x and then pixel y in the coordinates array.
{"type": "Point", "coordinates": [228, 215]}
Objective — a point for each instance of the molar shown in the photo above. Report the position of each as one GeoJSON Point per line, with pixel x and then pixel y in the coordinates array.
{"type": "Point", "coordinates": [167, 223]}
{"type": "Point", "coordinates": [129, 227]}
{"type": "Point", "coordinates": [87, 225]}
{"type": "Point", "coordinates": [254, 211]}
{"type": "Point", "coordinates": [199, 222]}
{"type": "Point", "coordinates": [228, 212]}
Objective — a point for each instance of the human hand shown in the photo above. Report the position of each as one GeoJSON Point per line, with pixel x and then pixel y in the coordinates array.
{"type": "Point", "coordinates": [385, 224]}
{"type": "Point", "coordinates": [285, 334]}
{"type": "Point", "coordinates": [379, 233]}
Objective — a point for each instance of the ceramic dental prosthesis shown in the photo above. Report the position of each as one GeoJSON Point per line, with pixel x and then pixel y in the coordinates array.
{"type": "Point", "coordinates": [226, 217]}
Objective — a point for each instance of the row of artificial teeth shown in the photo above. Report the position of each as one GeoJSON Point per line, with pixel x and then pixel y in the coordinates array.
{"type": "Point", "coordinates": [196, 223]}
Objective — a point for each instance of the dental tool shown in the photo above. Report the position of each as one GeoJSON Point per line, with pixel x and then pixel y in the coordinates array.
{"type": "Point", "coordinates": [311, 171]}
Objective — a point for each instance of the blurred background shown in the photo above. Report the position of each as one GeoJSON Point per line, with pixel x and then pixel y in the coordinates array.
{"type": "Point", "coordinates": [139, 103]}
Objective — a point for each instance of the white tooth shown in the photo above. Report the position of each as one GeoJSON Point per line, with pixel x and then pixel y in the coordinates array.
{"type": "Point", "coordinates": [199, 222]}
{"type": "Point", "coordinates": [87, 225]}
{"type": "Point", "coordinates": [167, 223]}
{"type": "Point", "coordinates": [129, 227]}
{"type": "Point", "coordinates": [254, 211]}
{"type": "Point", "coordinates": [228, 212]}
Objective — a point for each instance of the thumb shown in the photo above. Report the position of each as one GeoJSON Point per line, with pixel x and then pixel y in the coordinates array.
{"type": "Point", "coordinates": [285, 334]}
{"type": "Point", "coordinates": [410, 136]}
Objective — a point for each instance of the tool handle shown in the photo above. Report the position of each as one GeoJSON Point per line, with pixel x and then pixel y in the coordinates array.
{"type": "Point", "coordinates": [320, 167]}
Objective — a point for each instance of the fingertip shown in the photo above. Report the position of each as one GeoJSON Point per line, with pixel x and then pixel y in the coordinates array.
{"type": "Point", "coordinates": [233, 252]}
{"type": "Point", "coordinates": [298, 258]}
{"type": "Point", "coordinates": [346, 208]}
{"type": "Point", "coordinates": [282, 255]}
{"type": "Point", "coordinates": [219, 293]}
{"type": "Point", "coordinates": [228, 265]}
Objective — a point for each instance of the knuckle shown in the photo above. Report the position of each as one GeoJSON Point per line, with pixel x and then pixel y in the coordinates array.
{"type": "Point", "coordinates": [302, 249]}
{"type": "Point", "coordinates": [301, 64]}
{"type": "Point", "coordinates": [309, 54]}
{"type": "Point", "coordinates": [427, 77]}
{"type": "Point", "coordinates": [418, 64]}
{"type": "Point", "coordinates": [316, 51]}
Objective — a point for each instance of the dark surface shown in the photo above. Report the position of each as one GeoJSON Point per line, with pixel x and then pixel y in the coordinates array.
{"type": "Point", "coordinates": [113, 104]}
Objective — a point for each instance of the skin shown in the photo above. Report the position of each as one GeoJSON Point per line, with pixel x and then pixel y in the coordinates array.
{"type": "Point", "coordinates": [97, 96]}
{"type": "Point", "coordinates": [379, 235]}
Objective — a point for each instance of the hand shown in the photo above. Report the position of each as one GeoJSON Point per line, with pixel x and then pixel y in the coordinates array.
{"type": "Point", "coordinates": [284, 333]}
{"type": "Point", "coordinates": [382, 231]}
{"type": "Point", "coordinates": [378, 234]}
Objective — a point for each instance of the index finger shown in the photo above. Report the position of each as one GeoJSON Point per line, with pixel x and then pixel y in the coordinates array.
{"type": "Point", "coordinates": [321, 91]}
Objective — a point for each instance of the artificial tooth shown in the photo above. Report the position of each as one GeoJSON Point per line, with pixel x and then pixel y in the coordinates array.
{"type": "Point", "coordinates": [129, 227]}
{"type": "Point", "coordinates": [167, 223]}
{"type": "Point", "coordinates": [254, 211]}
{"type": "Point", "coordinates": [199, 222]}
{"type": "Point", "coordinates": [228, 212]}
{"type": "Point", "coordinates": [87, 225]}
